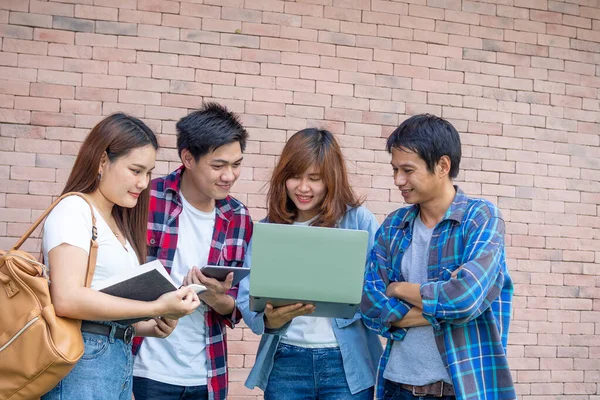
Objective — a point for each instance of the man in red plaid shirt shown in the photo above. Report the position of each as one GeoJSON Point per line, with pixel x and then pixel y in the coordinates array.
{"type": "Point", "coordinates": [194, 222]}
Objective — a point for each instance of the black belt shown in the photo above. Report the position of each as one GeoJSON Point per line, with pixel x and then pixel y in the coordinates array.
{"type": "Point", "coordinates": [124, 334]}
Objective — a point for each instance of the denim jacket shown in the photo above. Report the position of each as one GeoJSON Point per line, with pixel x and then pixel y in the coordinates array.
{"type": "Point", "coordinates": [360, 347]}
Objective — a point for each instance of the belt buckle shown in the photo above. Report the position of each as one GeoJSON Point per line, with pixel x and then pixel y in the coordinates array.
{"type": "Point", "coordinates": [417, 394]}
{"type": "Point", "coordinates": [128, 334]}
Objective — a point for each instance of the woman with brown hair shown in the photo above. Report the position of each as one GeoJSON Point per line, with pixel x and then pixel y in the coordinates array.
{"type": "Point", "coordinates": [112, 169]}
{"type": "Point", "coordinates": [303, 357]}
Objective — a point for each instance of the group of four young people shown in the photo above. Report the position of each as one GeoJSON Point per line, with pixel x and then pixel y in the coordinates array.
{"type": "Point", "coordinates": [436, 283]}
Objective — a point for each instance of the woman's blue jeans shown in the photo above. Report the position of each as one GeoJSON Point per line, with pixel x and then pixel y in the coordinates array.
{"type": "Point", "coordinates": [104, 372]}
{"type": "Point", "coordinates": [301, 373]}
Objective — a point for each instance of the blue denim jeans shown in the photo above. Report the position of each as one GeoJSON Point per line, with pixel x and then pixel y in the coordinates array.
{"type": "Point", "coordinates": [104, 371]}
{"type": "Point", "coordinates": [393, 391]}
{"type": "Point", "coordinates": [309, 374]}
{"type": "Point", "coordinates": [148, 389]}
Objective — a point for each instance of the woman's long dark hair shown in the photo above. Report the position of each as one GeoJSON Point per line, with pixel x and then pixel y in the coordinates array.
{"type": "Point", "coordinates": [117, 135]}
{"type": "Point", "coordinates": [306, 148]}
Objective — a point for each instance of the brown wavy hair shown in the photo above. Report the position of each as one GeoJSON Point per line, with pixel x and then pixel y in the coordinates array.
{"type": "Point", "coordinates": [306, 148]}
{"type": "Point", "coordinates": [117, 135]}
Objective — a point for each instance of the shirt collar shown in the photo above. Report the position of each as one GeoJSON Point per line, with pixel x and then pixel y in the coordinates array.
{"type": "Point", "coordinates": [173, 181]}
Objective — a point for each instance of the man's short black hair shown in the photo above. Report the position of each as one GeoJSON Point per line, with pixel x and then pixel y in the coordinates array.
{"type": "Point", "coordinates": [209, 128]}
{"type": "Point", "coordinates": [431, 138]}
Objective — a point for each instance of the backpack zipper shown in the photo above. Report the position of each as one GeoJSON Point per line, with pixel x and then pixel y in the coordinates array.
{"type": "Point", "coordinates": [42, 266]}
{"type": "Point", "coordinates": [21, 331]}
{"type": "Point", "coordinates": [26, 259]}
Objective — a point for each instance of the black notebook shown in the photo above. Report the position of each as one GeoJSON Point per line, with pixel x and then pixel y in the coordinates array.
{"type": "Point", "coordinates": [145, 283]}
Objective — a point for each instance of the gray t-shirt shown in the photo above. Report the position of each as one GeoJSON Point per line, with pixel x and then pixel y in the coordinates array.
{"type": "Point", "coordinates": [416, 359]}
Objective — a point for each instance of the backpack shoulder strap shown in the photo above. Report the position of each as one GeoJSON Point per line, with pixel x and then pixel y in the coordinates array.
{"type": "Point", "coordinates": [91, 267]}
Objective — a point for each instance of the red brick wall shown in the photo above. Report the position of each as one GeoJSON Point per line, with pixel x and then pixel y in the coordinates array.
{"type": "Point", "coordinates": [519, 79]}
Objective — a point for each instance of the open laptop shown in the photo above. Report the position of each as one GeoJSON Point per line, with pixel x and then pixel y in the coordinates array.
{"type": "Point", "coordinates": [303, 264]}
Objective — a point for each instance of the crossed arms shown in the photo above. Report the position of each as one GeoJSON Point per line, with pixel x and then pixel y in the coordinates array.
{"type": "Point", "coordinates": [389, 305]}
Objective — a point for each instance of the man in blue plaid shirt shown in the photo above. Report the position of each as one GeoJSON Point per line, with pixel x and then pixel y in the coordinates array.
{"type": "Point", "coordinates": [437, 286]}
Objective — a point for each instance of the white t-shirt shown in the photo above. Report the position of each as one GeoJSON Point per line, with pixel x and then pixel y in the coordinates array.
{"type": "Point", "coordinates": [70, 222]}
{"type": "Point", "coordinates": [313, 332]}
{"type": "Point", "coordinates": [180, 358]}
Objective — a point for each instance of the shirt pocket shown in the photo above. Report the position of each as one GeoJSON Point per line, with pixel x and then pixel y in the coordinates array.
{"type": "Point", "coordinates": [234, 253]}
{"type": "Point", "coordinates": [345, 322]}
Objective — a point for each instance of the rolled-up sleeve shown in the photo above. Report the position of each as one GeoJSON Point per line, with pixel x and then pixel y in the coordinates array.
{"type": "Point", "coordinates": [378, 310]}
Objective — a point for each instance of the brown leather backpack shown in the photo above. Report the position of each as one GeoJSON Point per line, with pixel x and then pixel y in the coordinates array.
{"type": "Point", "coordinates": [37, 347]}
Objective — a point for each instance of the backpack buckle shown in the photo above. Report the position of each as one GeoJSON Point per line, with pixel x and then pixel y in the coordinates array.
{"type": "Point", "coordinates": [11, 288]}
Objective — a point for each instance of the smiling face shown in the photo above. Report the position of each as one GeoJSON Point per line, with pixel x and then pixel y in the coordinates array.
{"type": "Point", "coordinates": [307, 192]}
{"type": "Point", "coordinates": [213, 175]}
{"type": "Point", "coordinates": [126, 177]}
{"type": "Point", "coordinates": [417, 184]}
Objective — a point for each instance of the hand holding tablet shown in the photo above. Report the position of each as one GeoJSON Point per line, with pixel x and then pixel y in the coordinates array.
{"type": "Point", "coordinates": [220, 273]}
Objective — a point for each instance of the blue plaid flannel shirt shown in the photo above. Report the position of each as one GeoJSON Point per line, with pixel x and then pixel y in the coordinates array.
{"type": "Point", "coordinates": [470, 313]}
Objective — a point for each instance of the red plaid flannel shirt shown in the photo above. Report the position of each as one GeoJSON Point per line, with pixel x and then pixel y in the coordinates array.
{"type": "Point", "coordinates": [233, 229]}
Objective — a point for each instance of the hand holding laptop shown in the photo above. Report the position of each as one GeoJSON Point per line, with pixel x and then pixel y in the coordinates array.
{"type": "Point", "coordinates": [275, 318]}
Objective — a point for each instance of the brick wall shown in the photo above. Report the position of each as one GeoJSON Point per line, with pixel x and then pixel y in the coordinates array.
{"type": "Point", "coordinates": [520, 79]}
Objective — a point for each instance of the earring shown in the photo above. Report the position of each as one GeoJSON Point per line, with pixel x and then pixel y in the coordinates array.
{"type": "Point", "coordinates": [99, 177]}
